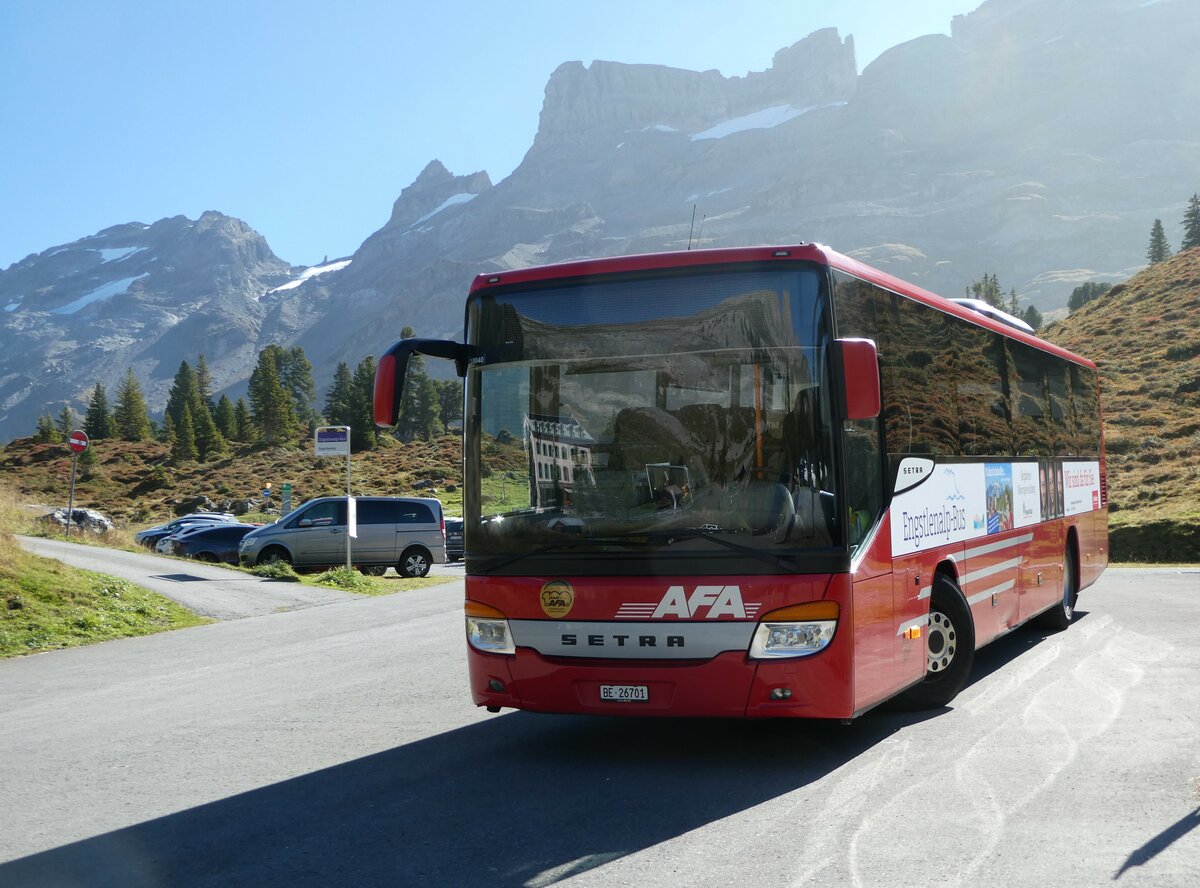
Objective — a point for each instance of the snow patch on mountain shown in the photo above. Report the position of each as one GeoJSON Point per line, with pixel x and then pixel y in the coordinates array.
{"type": "Point", "coordinates": [107, 291]}
{"type": "Point", "coordinates": [767, 118]}
{"type": "Point", "coordinates": [313, 272]}
{"type": "Point", "coordinates": [118, 253]}
{"type": "Point", "coordinates": [453, 200]}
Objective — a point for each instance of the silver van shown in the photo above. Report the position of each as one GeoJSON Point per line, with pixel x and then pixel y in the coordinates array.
{"type": "Point", "coordinates": [407, 533]}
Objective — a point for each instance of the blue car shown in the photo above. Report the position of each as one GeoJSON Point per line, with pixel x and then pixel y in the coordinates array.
{"type": "Point", "coordinates": [210, 542]}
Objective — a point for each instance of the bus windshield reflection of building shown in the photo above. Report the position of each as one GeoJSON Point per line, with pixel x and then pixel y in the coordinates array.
{"type": "Point", "coordinates": [560, 455]}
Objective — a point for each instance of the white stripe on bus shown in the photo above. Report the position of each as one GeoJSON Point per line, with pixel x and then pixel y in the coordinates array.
{"type": "Point", "coordinates": [995, 590]}
{"type": "Point", "coordinates": [988, 548]}
{"type": "Point", "coordinates": [999, 567]}
{"type": "Point", "coordinates": [966, 579]}
{"type": "Point", "coordinates": [926, 591]}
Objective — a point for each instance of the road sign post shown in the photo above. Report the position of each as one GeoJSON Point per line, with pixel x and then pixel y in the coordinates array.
{"type": "Point", "coordinates": [78, 442]}
{"type": "Point", "coordinates": [335, 441]}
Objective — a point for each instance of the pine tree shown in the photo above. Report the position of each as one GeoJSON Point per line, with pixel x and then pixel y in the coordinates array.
{"type": "Point", "coordinates": [209, 441]}
{"type": "Point", "coordinates": [185, 438]}
{"type": "Point", "coordinates": [98, 422]}
{"type": "Point", "coordinates": [1032, 317]}
{"type": "Point", "coordinates": [88, 461]}
{"type": "Point", "coordinates": [420, 415]}
{"type": "Point", "coordinates": [169, 437]}
{"type": "Point", "coordinates": [66, 420]}
{"type": "Point", "coordinates": [1158, 251]}
{"type": "Point", "coordinates": [339, 400]}
{"type": "Point", "coordinates": [131, 420]}
{"type": "Point", "coordinates": [226, 418]}
{"type": "Point", "coordinates": [987, 289]}
{"type": "Point", "coordinates": [243, 421]}
{"type": "Point", "coordinates": [1085, 293]}
{"type": "Point", "coordinates": [183, 393]}
{"type": "Point", "coordinates": [295, 374]}
{"type": "Point", "coordinates": [270, 403]}
{"type": "Point", "coordinates": [204, 384]}
{"type": "Point", "coordinates": [1191, 224]}
{"type": "Point", "coordinates": [361, 407]}
{"type": "Point", "coordinates": [450, 400]}
{"type": "Point", "coordinates": [46, 432]}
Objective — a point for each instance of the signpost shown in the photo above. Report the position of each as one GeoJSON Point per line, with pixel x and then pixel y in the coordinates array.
{"type": "Point", "coordinates": [78, 442]}
{"type": "Point", "coordinates": [335, 441]}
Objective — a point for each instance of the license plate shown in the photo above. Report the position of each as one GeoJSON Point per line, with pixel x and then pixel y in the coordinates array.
{"type": "Point", "coordinates": [625, 693]}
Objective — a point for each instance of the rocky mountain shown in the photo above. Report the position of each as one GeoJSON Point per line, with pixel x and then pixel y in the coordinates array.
{"type": "Point", "coordinates": [141, 296]}
{"type": "Point", "coordinates": [1038, 142]}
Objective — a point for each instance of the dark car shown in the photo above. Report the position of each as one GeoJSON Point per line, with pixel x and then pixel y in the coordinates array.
{"type": "Point", "coordinates": [454, 539]}
{"type": "Point", "coordinates": [151, 535]}
{"type": "Point", "coordinates": [217, 542]}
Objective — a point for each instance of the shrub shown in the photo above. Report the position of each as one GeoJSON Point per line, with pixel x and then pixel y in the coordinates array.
{"type": "Point", "coordinates": [345, 578]}
{"type": "Point", "coordinates": [276, 570]}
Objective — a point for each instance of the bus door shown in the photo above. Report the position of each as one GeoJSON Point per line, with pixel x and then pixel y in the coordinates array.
{"type": "Point", "coordinates": [911, 610]}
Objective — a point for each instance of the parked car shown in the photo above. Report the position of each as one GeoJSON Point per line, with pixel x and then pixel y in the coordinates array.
{"type": "Point", "coordinates": [151, 535]}
{"type": "Point", "coordinates": [407, 533]}
{"type": "Point", "coordinates": [165, 546]}
{"type": "Point", "coordinates": [214, 543]}
{"type": "Point", "coordinates": [454, 539]}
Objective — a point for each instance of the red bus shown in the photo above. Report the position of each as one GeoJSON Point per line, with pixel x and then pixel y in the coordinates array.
{"type": "Point", "coordinates": [759, 482]}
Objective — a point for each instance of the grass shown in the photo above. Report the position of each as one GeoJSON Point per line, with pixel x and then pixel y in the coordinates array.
{"type": "Point", "coordinates": [1145, 337]}
{"type": "Point", "coordinates": [45, 605]}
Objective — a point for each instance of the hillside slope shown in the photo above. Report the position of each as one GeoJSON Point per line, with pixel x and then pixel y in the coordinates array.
{"type": "Point", "coordinates": [1145, 337]}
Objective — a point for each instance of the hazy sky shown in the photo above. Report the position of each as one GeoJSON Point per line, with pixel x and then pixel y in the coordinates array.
{"type": "Point", "coordinates": [306, 119]}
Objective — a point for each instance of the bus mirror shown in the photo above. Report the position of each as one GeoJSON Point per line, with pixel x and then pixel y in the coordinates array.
{"type": "Point", "coordinates": [392, 367]}
{"type": "Point", "coordinates": [860, 366]}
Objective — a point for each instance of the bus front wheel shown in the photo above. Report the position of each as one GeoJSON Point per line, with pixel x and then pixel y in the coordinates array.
{"type": "Point", "coordinates": [949, 648]}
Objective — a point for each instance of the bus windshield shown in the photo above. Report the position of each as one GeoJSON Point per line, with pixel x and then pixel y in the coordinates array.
{"type": "Point", "coordinates": [677, 414]}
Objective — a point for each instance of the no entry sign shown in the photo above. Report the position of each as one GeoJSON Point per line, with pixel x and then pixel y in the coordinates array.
{"type": "Point", "coordinates": [78, 442]}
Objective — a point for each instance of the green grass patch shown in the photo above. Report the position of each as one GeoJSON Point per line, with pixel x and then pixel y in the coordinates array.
{"type": "Point", "coordinates": [350, 580]}
{"type": "Point", "coordinates": [274, 570]}
{"type": "Point", "coordinates": [48, 606]}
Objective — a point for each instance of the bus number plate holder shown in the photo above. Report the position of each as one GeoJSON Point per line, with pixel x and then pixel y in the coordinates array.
{"type": "Point", "coordinates": [625, 693]}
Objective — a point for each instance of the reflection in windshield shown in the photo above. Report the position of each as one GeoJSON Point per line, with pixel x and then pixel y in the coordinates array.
{"type": "Point", "coordinates": [711, 418]}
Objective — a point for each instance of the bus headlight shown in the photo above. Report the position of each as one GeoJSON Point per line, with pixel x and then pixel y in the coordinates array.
{"type": "Point", "coordinates": [487, 629]}
{"type": "Point", "coordinates": [796, 631]}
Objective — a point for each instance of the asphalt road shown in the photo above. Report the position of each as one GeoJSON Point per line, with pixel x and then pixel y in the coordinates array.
{"type": "Point", "coordinates": [336, 745]}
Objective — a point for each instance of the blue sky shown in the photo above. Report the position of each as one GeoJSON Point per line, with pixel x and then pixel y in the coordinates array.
{"type": "Point", "coordinates": [306, 119]}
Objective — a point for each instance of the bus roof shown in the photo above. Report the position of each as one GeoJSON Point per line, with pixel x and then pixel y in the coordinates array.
{"type": "Point", "coordinates": [817, 253]}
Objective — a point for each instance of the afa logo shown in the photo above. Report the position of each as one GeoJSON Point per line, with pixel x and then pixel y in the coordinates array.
{"type": "Point", "coordinates": [557, 598]}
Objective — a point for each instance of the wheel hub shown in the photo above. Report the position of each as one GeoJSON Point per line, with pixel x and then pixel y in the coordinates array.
{"type": "Point", "coordinates": [943, 642]}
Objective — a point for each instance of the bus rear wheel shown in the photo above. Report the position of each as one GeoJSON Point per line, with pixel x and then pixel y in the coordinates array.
{"type": "Point", "coordinates": [949, 648]}
{"type": "Point", "coordinates": [1059, 617]}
